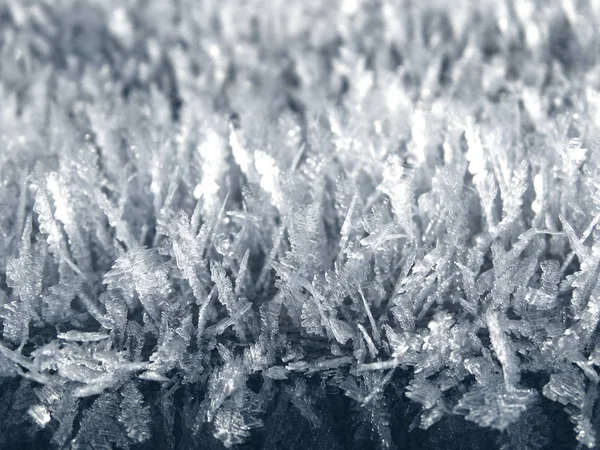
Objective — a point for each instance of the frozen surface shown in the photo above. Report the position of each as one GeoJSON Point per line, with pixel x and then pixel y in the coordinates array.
{"type": "Point", "coordinates": [299, 224]}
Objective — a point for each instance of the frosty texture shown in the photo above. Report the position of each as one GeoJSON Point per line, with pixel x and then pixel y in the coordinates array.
{"type": "Point", "coordinates": [299, 224]}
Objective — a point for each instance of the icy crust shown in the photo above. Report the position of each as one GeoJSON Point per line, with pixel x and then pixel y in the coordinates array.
{"type": "Point", "coordinates": [267, 222]}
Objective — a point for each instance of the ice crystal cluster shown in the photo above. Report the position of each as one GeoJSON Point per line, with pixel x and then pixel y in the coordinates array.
{"type": "Point", "coordinates": [311, 224]}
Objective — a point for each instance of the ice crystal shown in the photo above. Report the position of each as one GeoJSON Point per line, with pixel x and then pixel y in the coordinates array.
{"type": "Point", "coordinates": [302, 224]}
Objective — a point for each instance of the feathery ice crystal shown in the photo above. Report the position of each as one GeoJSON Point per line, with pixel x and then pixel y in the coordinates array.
{"type": "Point", "coordinates": [299, 224]}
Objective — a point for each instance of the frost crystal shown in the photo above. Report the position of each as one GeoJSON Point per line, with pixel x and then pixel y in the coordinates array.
{"type": "Point", "coordinates": [299, 224]}
{"type": "Point", "coordinates": [134, 416]}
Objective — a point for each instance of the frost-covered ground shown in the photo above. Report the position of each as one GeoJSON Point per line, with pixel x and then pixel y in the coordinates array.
{"type": "Point", "coordinates": [299, 224]}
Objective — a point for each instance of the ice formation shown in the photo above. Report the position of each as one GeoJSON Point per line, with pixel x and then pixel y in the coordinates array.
{"type": "Point", "coordinates": [299, 224]}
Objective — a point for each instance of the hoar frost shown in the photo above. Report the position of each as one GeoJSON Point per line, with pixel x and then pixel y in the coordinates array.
{"type": "Point", "coordinates": [303, 224]}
